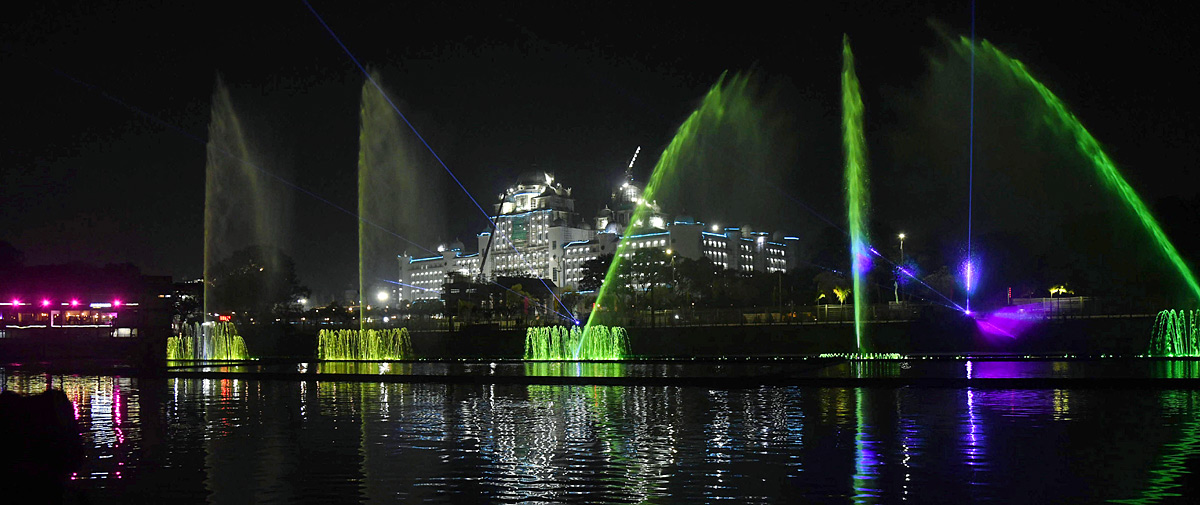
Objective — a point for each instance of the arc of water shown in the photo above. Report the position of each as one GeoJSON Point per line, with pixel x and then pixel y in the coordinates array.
{"type": "Point", "coordinates": [1061, 117]}
{"type": "Point", "coordinates": [718, 103]}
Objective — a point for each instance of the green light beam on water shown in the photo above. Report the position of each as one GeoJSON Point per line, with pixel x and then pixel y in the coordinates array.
{"type": "Point", "coordinates": [725, 100]}
{"type": "Point", "coordinates": [1172, 464]}
{"type": "Point", "coordinates": [1062, 118]}
{"type": "Point", "coordinates": [857, 197]}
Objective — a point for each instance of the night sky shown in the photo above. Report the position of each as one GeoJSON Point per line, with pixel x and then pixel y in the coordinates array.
{"type": "Point", "coordinates": [106, 110]}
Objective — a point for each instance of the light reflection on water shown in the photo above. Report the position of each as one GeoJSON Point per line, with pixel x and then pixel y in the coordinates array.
{"type": "Point", "coordinates": [234, 440]}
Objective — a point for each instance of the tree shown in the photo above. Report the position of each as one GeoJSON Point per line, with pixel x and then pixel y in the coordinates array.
{"type": "Point", "coordinates": [696, 277]}
{"type": "Point", "coordinates": [648, 268]}
{"type": "Point", "coordinates": [594, 272]}
{"type": "Point", "coordinates": [832, 285]}
{"type": "Point", "coordinates": [256, 280]}
{"type": "Point", "coordinates": [518, 301]}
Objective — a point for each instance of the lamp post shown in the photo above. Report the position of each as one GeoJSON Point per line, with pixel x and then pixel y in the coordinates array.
{"type": "Point", "coordinates": [901, 236]}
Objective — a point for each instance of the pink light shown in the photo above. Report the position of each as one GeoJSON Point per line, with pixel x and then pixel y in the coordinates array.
{"type": "Point", "coordinates": [74, 303]}
{"type": "Point", "coordinates": [16, 302]}
{"type": "Point", "coordinates": [45, 302]}
{"type": "Point", "coordinates": [116, 303]}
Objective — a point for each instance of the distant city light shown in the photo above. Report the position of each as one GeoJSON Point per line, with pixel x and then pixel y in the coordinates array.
{"type": "Point", "coordinates": [74, 303]}
{"type": "Point", "coordinates": [716, 227]}
{"type": "Point", "coordinates": [302, 301]}
{"type": "Point", "coordinates": [382, 296]}
{"type": "Point", "coordinates": [441, 248]}
{"type": "Point", "coordinates": [116, 303]}
{"type": "Point", "coordinates": [45, 302]}
{"type": "Point", "coordinates": [657, 222]}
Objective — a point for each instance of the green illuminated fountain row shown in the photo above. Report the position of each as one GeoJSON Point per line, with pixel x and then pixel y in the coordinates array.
{"type": "Point", "coordinates": [207, 342]}
{"type": "Point", "coordinates": [559, 343]}
{"type": "Point", "coordinates": [1176, 333]}
{"type": "Point", "coordinates": [366, 345]}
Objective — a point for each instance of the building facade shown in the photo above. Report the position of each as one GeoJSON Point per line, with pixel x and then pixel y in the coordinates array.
{"type": "Point", "coordinates": [538, 233]}
{"type": "Point", "coordinates": [423, 278]}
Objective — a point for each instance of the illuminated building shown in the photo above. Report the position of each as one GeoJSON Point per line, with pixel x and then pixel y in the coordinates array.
{"type": "Point", "coordinates": [422, 278]}
{"type": "Point", "coordinates": [539, 234]}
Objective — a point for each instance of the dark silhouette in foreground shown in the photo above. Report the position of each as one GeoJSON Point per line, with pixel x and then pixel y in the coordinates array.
{"type": "Point", "coordinates": [40, 448]}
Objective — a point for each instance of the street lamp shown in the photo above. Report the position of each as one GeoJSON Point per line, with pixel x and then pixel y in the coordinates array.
{"type": "Point", "coordinates": [382, 296]}
{"type": "Point", "coordinates": [901, 247]}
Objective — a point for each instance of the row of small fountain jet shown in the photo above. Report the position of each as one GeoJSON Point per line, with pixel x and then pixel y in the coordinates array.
{"type": "Point", "coordinates": [221, 342]}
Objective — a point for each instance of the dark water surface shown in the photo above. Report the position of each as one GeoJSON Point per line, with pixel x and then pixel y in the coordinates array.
{"type": "Point", "coordinates": [185, 440]}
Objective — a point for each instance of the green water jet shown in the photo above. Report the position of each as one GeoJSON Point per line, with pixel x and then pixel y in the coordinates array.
{"type": "Point", "coordinates": [364, 345]}
{"type": "Point", "coordinates": [725, 103]}
{"type": "Point", "coordinates": [857, 198]}
{"type": "Point", "coordinates": [1176, 333]}
{"type": "Point", "coordinates": [561, 343]}
{"type": "Point", "coordinates": [207, 342]}
{"type": "Point", "coordinates": [1060, 118]}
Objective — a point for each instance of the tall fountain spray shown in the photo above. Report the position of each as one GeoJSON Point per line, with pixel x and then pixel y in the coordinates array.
{"type": "Point", "coordinates": [394, 194]}
{"type": "Point", "coordinates": [855, 146]}
{"type": "Point", "coordinates": [240, 208]}
{"type": "Point", "coordinates": [1061, 119]}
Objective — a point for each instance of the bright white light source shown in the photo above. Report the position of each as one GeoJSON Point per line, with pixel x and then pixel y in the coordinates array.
{"type": "Point", "coordinates": [382, 296]}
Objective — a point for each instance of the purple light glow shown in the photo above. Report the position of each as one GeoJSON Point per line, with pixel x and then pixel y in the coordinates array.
{"type": "Point", "coordinates": [862, 260]}
{"type": "Point", "coordinates": [74, 303]}
{"type": "Point", "coordinates": [1010, 321]}
{"type": "Point", "coordinates": [16, 302]}
{"type": "Point", "coordinates": [45, 302]}
{"type": "Point", "coordinates": [116, 303]}
{"type": "Point", "coordinates": [970, 275]}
